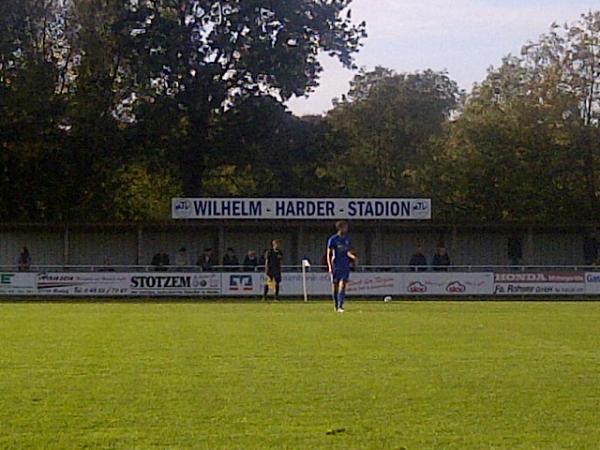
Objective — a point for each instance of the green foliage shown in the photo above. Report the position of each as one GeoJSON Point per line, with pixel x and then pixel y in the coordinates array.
{"type": "Point", "coordinates": [528, 144]}
{"type": "Point", "coordinates": [107, 108]}
{"type": "Point", "coordinates": [484, 168]}
{"type": "Point", "coordinates": [286, 154]}
{"type": "Point", "coordinates": [140, 193]}
{"type": "Point", "coordinates": [230, 181]}
{"type": "Point", "coordinates": [209, 56]}
{"type": "Point", "coordinates": [385, 124]}
{"type": "Point", "coordinates": [90, 90]}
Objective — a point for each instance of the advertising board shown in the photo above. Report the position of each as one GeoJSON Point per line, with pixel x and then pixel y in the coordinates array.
{"type": "Point", "coordinates": [174, 284]}
{"type": "Point", "coordinates": [241, 284]}
{"type": "Point", "coordinates": [539, 283]}
{"type": "Point", "coordinates": [116, 284]}
{"type": "Point", "coordinates": [302, 208]}
{"type": "Point", "coordinates": [448, 284]}
{"type": "Point", "coordinates": [19, 283]}
{"type": "Point", "coordinates": [592, 283]}
{"type": "Point", "coordinates": [317, 284]}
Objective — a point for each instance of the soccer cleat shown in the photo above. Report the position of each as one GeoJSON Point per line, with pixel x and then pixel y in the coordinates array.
{"type": "Point", "coordinates": [340, 310]}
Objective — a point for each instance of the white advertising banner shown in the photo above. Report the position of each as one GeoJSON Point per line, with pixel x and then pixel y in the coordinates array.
{"type": "Point", "coordinates": [448, 284]}
{"type": "Point", "coordinates": [592, 283]}
{"type": "Point", "coordinates": [301, 208]}
{"type": "Point", "coordinates": [361, 283]}
{"type": "Point", "coordinates": [174, 284]}
{"type": "Point", "coordinates": [540, 283]}
{"type": "Point", "coordinates": [317, 284]}
{"type": "Point", "coordinates": [115, 284]}
{"type": "Point", "coordinates": [252, 284]}
{"type": "Point", "coordinates": [375, 284]}
{"type": "Point", "coordinates": [101, 284]}
{"type": "Point", "coordinates": [20, 283]}
{"type": "Point", "coordinates": [240, 284]}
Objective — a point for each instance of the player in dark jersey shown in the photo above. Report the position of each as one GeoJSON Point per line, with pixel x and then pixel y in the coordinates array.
{"type": "Point", "coordinates": [273, 258]}
{"type": "Point", "coordinates": [339, 258]}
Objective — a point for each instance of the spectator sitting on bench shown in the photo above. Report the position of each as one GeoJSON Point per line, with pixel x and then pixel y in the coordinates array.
{"type": "Point", "coordinates": [230, 260]}
{"type": "Point", "coordinates": [441, 260]}
{"type": "Point", "coordinates": [207, 260]}
{"type": "Point", "coordinates": [250, 261]}
{"type": "Point", "coordinates": [418, 261]}
{"type": "Point", "coordinates": [160, 261]}
{"type": "Point", "coordinates": [182, 258]}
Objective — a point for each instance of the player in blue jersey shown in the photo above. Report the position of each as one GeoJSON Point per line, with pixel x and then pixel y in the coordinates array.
{"type": "Point", "coordinates": [339, 257]}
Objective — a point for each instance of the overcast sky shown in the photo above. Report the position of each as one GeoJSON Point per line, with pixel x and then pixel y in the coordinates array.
{"type": "Point", "coordinates": [463, 36]}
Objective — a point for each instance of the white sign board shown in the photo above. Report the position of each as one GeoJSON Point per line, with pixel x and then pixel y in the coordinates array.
{"type": "Point", "coordinates": [20, 283]}
{"type": "Point", "coordinates": [539, 283]}
{"type": "Point", "coordinates": [448, 284]}
{"type": "Point", "coordinates": [241, 284]}
{"type": "Point", "coordinates": [361, 283]}
{"type": "Point", "coordinates": [592, 283]}
{"type": "Point", "coordinates": [171, 284]}
{"type": "Point", "coordinates": [101, 284]}
{"type": "Point", "coordinates": [115, 284]}
{"type": "Point", "coordinates": [317, 283]}
{"type": "Point", "coordinates": [301, 208]}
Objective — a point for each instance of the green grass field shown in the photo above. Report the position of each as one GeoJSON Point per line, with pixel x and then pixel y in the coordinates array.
{"type": "Point", "coordinates": [288, 375]}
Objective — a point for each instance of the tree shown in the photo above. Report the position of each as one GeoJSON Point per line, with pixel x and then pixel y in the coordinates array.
{"type": "Point", "coordinates": [208, 55]}
{"type": "Point", "coordinates": [284, 154]}
{"type": "Point", "coordinates": [509, 162]}
{"type": "Point", "coordinates": [363, 83]}
{"type": "Point", "coordinates": [94, 94]}
{"type": "Point", "coordinates": [30, 47]}
{"type": "Point", "coordinates": [526, 146]}
{"type": "Point", "coordinates": [140, 192]}
{"type": "Point", "coordinates": [573, 53]}
{"type": "Point", "coordinates": [385, 123]}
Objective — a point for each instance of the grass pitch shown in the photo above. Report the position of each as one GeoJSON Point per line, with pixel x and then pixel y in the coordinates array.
{"type": "Point", "coordinates": [290, 375]}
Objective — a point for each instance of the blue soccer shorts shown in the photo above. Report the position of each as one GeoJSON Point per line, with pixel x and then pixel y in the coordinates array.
{"type": "Point", "coordinates": [340, 275]}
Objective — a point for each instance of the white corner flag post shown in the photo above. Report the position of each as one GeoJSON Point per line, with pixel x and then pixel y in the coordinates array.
{"type": "Point", "coordinates": [305, 265]}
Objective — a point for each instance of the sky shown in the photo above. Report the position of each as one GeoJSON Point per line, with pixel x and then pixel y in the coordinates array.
{"type": "Point", "coordinates": [464, 37]}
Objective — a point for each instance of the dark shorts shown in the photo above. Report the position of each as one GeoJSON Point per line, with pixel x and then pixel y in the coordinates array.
{"type": "Point", "coordinates": [275, 276]}
{"type": "Point", "coordinates": [341, 274]}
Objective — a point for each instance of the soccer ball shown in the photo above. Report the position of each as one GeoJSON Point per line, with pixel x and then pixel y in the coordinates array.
{"type": "Point", "coordinates": [387, 299]}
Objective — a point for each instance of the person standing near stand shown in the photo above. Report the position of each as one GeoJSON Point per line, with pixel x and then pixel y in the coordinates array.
{"type": "Point", "coordinates": [273, 258]}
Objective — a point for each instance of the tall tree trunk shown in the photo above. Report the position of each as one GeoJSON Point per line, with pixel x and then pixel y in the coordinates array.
{"type": "Point", "coordinates": [193, 164]}
{"type": "Point", "coordinates": [590, 146]}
